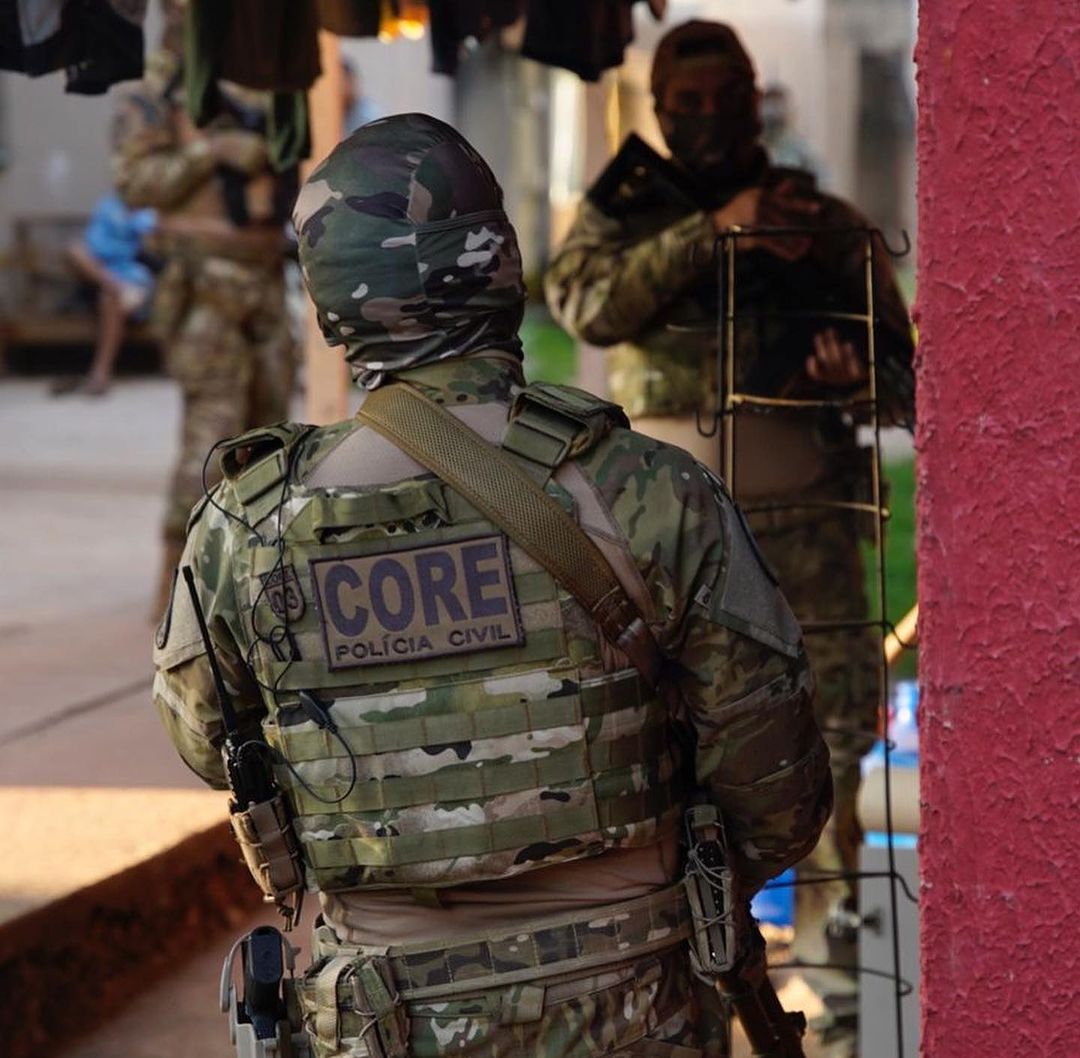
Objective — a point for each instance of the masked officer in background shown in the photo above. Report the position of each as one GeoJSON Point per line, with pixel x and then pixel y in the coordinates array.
{"type": "Point", "coordinates": [219, 305]}
{"type": "Point", "coordinates": [487, 792]}
{"type": "Point", "coordinates": [638, 272]}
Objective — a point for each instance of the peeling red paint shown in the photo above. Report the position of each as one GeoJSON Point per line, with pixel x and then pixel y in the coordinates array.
{"type": "Point", "coordinates": [999, 524]}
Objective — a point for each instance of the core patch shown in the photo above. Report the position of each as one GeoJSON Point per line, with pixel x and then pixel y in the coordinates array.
{"type": "Point", "coordinates": [282, 588]}
{"type": "Point", "coordinates": [423, 603]}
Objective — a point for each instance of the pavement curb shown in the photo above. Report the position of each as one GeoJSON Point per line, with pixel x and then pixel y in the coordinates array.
{"type": "Point", "coordinates": [69, 965]}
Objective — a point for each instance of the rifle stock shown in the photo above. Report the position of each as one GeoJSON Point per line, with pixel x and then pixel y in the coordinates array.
{"type": "Point", "coordinates": [772, 1031]}
{"type": "Point", "coordinates": [727, 945]}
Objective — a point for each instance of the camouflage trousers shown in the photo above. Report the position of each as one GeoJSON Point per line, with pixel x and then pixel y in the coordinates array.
{"type": "Point", "coordinates": [641, 1008]}
{"type": "Point", "coordinates": [820, 570]}
{"type": "Point", "coordinates": [227, 344]}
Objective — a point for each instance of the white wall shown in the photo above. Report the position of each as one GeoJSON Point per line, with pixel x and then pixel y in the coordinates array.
{"type": "Point", "coordinates": [55, 147]}
{"type": "Point", "coordinates": [398, 76]}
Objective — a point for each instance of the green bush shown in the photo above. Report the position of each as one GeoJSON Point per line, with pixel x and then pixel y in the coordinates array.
{"type": "Point", "coordinates": [550, 353]}
{"type": "Point", "coordinates": [900, 586]}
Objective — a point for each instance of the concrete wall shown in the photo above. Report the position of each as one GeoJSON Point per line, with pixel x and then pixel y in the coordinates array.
{"type": "Point", "coordinates": [999, 523]}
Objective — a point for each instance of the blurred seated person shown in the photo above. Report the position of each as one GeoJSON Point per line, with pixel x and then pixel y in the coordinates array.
{"type": "Point", "coordinates": [109, 255]}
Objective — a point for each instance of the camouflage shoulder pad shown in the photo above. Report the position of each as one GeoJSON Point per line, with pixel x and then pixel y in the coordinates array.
{"type": "Point", "coordinates": [750, 601]}
{"type": "Point", "coordinates": [550, 424]}
{"type": "Point", "coordinates": [177, 638]}
{"type": "Point", "coordinates": [256, 461]}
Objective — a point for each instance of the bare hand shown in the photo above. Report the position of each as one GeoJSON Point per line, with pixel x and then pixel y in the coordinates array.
{"type": "Point", "coordinates": [780, 207]}
{"type": "Point", "coordinates": [186, 132]}
{"type": "Point", "coordinates": [834, 362]}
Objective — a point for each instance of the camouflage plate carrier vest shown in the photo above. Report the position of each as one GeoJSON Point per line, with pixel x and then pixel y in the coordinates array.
{"type": "Point", "coordinates": [456, 722]}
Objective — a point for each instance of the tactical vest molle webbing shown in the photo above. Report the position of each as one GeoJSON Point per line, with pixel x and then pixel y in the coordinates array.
{"type": "Point", "coordinates": [456, 721]}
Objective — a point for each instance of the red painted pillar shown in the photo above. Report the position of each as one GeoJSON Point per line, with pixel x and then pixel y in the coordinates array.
{"type": "Point", "coordinates": [999, 521]}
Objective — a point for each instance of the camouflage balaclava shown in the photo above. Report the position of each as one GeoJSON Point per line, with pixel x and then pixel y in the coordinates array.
{"type": "Point", "coordinates": [406, 251]}
{"type": "Point", "coordinates": [708, 144]}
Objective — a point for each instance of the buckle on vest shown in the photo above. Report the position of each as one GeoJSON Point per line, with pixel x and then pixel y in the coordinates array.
{"type": "Point", "coordinates": [542, 435]}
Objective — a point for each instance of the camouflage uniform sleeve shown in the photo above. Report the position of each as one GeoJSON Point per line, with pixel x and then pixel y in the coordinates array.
{"type": "Point", "coordinates": [605, 289]}
{"type": "Point", "coordinates": [745, 690]}
{"type": "Point", "coordinates": [241, 148]}
{"type": "Point", "coordinates": [184, 691]}
{"type": "Point", "coordinates": [151, 167]}
{"type": "Point", "coordinates": [760, 756]}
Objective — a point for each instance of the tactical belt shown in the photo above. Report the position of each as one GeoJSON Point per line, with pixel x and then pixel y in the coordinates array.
{"type": "Point", "coordinates": [508, 497]}
{"type": "Point", "coordinates": [571, 943]}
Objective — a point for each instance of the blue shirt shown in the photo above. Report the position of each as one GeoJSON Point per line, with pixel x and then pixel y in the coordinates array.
{"type": "Point", "coordinates": [114, 236]}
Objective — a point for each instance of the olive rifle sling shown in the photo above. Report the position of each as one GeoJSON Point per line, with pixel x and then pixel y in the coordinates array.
{"type": "Point", "coordinates": [509, 498]}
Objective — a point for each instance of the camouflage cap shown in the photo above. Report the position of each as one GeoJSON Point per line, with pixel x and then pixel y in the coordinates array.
{"type": "Point", "coordinates": [406, 250]}
{"type": "Point", "coordinates": [695, 41]}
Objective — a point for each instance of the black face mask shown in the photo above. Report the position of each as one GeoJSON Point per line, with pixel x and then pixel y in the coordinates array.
{"type": "Point", "coordinates": [714, 148]}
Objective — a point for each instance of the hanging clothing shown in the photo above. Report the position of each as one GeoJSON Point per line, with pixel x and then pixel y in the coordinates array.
{"type": "Point", "coordinates": [100, 42]}
{"type": "Point", "coordinates": [587, 38]}
{"type": "Point", "coordinates": [350, 18]}
{"type": "Point", "coordinates": [288, 131]}
{"type": "Point", "coordinates": [211, 46]}
{"type": "Point", "coordinates": [455, 21]}
{"type": "Point", "coordinates": [271, 45]}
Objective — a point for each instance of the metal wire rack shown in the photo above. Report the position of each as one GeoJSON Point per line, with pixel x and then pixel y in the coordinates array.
{"type": "Point", "coordinates": [732, 403]}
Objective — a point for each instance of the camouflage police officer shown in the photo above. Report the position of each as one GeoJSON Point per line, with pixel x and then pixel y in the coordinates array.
{"type": "Point", "coordinates": [219, 304]}
{"type": "Point", "coordinates": [638, 273]}
{"type": "Point", "coordinates": [487, 793]}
